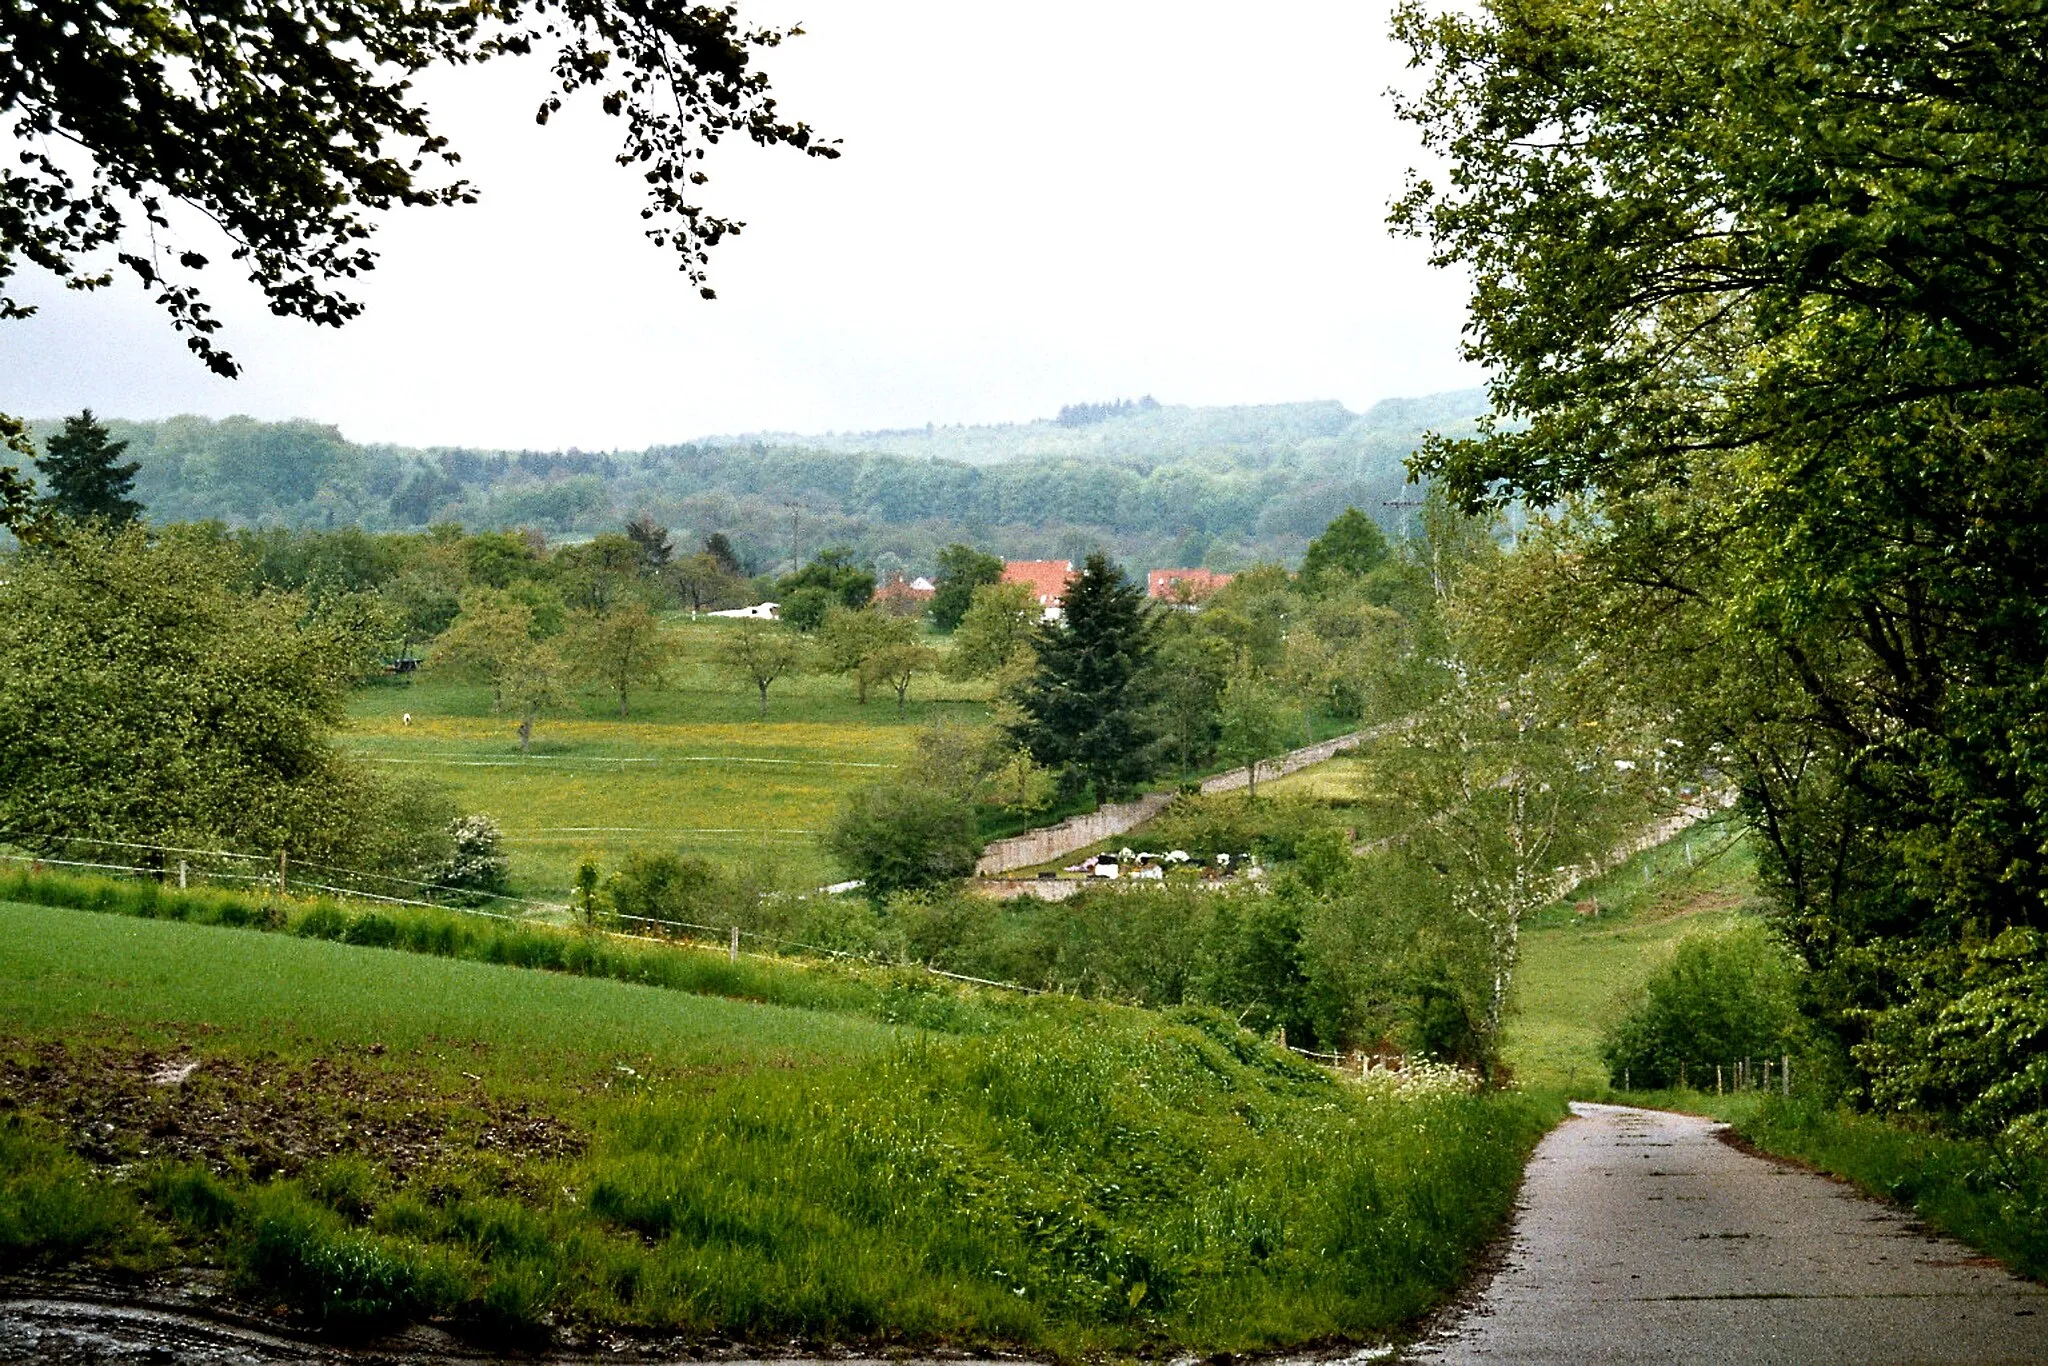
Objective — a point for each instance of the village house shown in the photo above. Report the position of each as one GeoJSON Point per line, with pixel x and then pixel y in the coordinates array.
{"type": "Point", "coordinates": [1047, 580]}
{"type": "Point", "coordinates": [905, 598]}
{"type": "Point", "coordinates": [760, 611]}
{"type": "Point", "coordinates": [1184, 587]}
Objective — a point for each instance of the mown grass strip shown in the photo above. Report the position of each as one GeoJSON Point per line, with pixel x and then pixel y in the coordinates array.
{"type": "Point", "coordinates": [889, 995]}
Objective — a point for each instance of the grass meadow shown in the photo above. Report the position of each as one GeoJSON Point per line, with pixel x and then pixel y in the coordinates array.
{"type": "Point", "coordinates": [691, 770]}
{"type": "Point", "coordinates": [1577, 970]}
{"type": "Point", "coordinates": [363, 1137]}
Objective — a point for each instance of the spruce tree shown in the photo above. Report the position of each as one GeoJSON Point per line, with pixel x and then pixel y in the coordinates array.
{"type": "Point", "coordinates": [1086, 706]}
{"type": "Point", "coordinates": [84, 482]}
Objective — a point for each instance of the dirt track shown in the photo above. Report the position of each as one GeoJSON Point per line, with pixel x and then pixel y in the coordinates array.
{"type": "Point", "coordinates": [1642, 1237]}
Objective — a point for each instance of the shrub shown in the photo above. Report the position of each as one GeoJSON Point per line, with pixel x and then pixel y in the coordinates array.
{"type": "Point", "coordinates": [371, 930]}
{"type": "Point", "coordinates": [896, 838]}
{"type": "Point", "coordinates": [1722, 997]}
{"type": "Point", "coordinates": [477, 867]}
{"type": "Point", "coordinates": [323, 922]}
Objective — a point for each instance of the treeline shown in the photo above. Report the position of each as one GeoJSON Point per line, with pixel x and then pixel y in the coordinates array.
{"type": "Point", "coordinates": [1223, 487]}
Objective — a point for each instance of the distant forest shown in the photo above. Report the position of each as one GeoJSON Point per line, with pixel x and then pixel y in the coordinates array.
{"type": "Point", "coordinates": [1154, 484]}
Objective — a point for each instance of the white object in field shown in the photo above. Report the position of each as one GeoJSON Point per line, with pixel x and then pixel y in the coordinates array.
{"type": "Point", "coordinates": [760, 611]}
{"type": "Point", "coordinates": [1106, 870]}
{"type": "Point", "coordinates": [1155, 872]}
{"type": "Point", "coordinates": [406, 719]}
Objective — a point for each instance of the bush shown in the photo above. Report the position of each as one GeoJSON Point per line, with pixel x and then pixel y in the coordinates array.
{"type": "Point", "coordinates": [477, 867]}
{"type": "Point", "coordinates": [1227, 823]}
{"type": "Point", "coordinates": [897, 839]}
{"type": "Point", "coordinates": [1722, 997]}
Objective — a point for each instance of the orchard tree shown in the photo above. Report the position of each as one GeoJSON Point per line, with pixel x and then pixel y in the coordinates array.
{"type": "Point", "coordinates": [84, 482]}
{"type": "Point", "coordinates": [996, 631]}
{"type": "Point", "coordinates": [1251, 725]}
{"type": "Point", "coordinates": [757, 655]}
{"type": "Point", "coordinates": [901, 662]}
{"type": "Point", "coordinates": [852, 643]}
{"type": "Point", "coordinates": [622, 649]}
{"type": "Point", "coordinates": [494, 641]}
{"type": "Point", "coordinates": [144, 699]}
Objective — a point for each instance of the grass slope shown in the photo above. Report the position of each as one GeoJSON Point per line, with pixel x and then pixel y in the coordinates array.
{"type": "Point", "coordinates": [366, 1137]}
{"type": "Point", "coordinates": [1576, 970]}
{"type": "Point", "coordinates": [63, 972]}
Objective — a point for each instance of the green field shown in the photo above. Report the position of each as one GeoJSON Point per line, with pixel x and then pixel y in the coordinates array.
{"type": "Point", "coordinates": [692, 770]}
{"type": "Point", "coordinates": [1576, 969]}
{"type": "Point", "coordinates": [72, 974]}
{"type": "Point", "coordinates": [363, 1137]}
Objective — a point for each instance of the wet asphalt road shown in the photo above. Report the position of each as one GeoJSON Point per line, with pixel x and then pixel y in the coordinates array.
{"type": "Point", "coordinates": [1642, 1237]}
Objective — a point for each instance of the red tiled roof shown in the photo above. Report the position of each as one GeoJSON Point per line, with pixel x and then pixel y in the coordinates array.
{"type": "Point", "coordinates": [1196, 583]}
{"type": "Point", "coordinates": [1047, 578]}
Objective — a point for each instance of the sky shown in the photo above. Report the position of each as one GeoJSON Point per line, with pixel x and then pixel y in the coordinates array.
{"type": "Point", "coordinates": [1038, 204]}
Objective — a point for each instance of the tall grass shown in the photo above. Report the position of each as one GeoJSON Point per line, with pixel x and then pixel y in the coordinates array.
{"type": "Point", "coordinates": [1085, 1182]}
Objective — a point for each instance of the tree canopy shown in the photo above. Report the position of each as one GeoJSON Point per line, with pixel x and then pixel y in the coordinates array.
{"type": "Point", "coordinates": [1764, 286]}
{"type": "Point", "coordinates": [962, 569]}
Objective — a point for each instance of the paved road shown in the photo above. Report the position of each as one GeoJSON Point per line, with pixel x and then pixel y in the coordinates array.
{"type": "Point", "coordinates": [1642, 1237]}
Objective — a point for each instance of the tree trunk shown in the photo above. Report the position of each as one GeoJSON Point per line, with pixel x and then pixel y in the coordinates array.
{"type": "Point", "coordinates": [622, 704]}
{"type": "Point", "coordinates": [526, 732]}
{"type": "Point", "coordinates": [901, 693]}
{"type": "Point", "coordinates": [764, 700]}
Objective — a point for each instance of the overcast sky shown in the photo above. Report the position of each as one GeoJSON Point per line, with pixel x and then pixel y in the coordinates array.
{"type": "Point", "coordinates": [1038, 204]}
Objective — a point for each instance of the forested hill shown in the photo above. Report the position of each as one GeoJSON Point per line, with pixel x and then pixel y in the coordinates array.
{"type": "Point", "coordinates": [1153, 483]}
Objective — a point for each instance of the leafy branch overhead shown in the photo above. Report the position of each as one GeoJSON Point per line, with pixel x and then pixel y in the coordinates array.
{"type": "Point", "coordinates": [289, 129]}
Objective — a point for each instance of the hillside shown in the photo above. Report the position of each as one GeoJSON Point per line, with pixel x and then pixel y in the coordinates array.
{"type": "Point", "coordinates": [1154, 484]}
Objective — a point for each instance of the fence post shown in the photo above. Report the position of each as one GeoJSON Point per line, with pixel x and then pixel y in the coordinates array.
{"type": "Point", "coordinates": [181, 875]}
{"type": "Point", "coordinates": [1767, 1074]}
{"type": "Point", "coordinates": [733, 951]}
{"type": "Point", "coordinates": [1717, 1079]}
{"type": "Point", "coordinates": [280, 871]}
{"type": "Point", "coordinates": [1626, 1084]}
{"type": "Point", "coordinates": [1785, 1074]}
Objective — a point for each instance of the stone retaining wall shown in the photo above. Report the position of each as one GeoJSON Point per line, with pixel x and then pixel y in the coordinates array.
{"type": "Point", "coordinates": [1050, 842]}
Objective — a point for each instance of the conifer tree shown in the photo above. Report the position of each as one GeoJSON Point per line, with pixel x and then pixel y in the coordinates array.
{"type": "Point", "coordinates": [1086, 706]}
{"type": "Point", "coordinates": [84, 482]}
